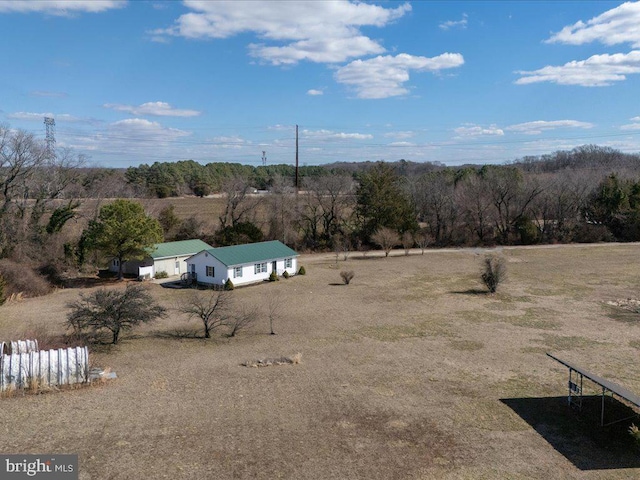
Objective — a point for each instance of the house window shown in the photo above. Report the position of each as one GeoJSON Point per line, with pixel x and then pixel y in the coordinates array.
{"type": "Point", "coordinates": [116, 262]}
{"type": "Point", "coordinates": [260, 267]}
{"type": "Point", "coordinates": [237, 272]}
{"type": "Point", "coordinates": [288, 263]}
{"type": "Point", "coordinates": [210, 271]}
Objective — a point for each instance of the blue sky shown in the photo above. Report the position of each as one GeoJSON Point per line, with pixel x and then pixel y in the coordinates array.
{"type": "Point", "coordinates": [131, 82]}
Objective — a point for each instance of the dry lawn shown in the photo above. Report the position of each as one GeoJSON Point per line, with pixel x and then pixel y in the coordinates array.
{"type": "Point", "coordinates": [409, 372]}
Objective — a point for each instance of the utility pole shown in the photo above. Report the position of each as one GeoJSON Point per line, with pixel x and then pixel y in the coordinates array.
{"type": "Point", "coordinates": [297, 183]}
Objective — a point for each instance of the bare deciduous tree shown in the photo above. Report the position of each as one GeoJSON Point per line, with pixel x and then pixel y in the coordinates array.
{"type": "Point", "coordinates": [274, 304]}
{"type": "Point", "coordinates": [386, 238]}
{"type": "Point", "coordinates": [423, 239]}
{"type": "Point", "coordinates": [407, 242]}
{"type": "Point", "coordinates": [238, 202]}
{"type": "Point", "coordinates": [213, 308]}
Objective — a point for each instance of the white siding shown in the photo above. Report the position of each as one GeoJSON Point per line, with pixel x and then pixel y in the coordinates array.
{"type": "Point", "coordinates": [203, 260]}
{"type": "Point", "coordinates": [222, 272]}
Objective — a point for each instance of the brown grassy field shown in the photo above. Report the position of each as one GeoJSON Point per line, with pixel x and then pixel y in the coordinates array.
{"type": "Point", "coordinates": [410, 372]}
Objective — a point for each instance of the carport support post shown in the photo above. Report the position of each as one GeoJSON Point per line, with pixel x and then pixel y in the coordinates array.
{"type": "Point", "coordinates": [602, 412]}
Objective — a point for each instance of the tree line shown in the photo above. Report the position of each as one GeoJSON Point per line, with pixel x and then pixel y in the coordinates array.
{"type": "Point", "coordinates": [587, 194]}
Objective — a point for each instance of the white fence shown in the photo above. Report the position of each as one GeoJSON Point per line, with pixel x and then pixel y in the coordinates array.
{"type": "Point", "coordinates": [42, 369]}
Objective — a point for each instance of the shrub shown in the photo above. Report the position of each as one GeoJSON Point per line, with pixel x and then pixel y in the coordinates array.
{"type": "Point", "coordinates": [285, 274]}
{"type": "Point", "coordinates": [113, 310]}
{"type": "Point", "coordinates": [228, 285]}
{"type": "Point", "coordinates": [347, 276]}
{"type": "Point", "coordinates": [386, 238]}
{"type": "Point", "coordinates": [273, 277]}
{"type": "Point", "coordinates": [162, 274]}
{"type": "Point", "coordinates": [20, 279]}
{"type": "Point", "coordinates": [302, 271]}
{"type": "Point", "coordinates": [494, 272]}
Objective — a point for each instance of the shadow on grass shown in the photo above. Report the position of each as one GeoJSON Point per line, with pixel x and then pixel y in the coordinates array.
{"type": "Point", "coordinates": [336, 284]}
{"type": "Point", "coordinates": [577, 435]}
{"type": "Point", "coordinates": [179, 333]}
{"type": "Point", "coordinates": [471, 291]}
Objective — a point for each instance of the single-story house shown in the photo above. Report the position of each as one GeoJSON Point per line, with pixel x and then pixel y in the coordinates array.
{"type": "Point", "coordinates": [163, 257]}
{"type": "Point", "coordinates": [243, 264]}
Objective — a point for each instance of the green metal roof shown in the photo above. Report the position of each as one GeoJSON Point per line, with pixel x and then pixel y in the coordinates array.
{"type": "Point", "coordinates": [178, 249]}
{"type": "Point", "coordinates": [251, 253]}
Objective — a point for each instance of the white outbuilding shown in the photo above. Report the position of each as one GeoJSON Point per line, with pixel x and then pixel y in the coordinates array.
{"type": "Point", "coordinates": [243, 264]}
{"type": "Point", "coordinates": [166, 257]}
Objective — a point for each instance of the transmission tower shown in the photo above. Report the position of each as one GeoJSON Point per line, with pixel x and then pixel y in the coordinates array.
{"type": "Point", "coordinates": [50, 137]}
{"type": "Point", "coordinates": [264, 158]}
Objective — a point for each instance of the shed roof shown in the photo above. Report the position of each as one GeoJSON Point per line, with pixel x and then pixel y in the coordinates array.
{"type": "Point", "coordinates": [178, 249]}
{"type": "Point", "coordinates": [251, 253]}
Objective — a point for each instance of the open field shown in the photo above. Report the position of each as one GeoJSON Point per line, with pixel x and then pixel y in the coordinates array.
{"type": "Point", "coordinates": [409, 372]}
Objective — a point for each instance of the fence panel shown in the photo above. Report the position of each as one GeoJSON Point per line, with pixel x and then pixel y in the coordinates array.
{"type": "Point", "coordinates": [46, 368]}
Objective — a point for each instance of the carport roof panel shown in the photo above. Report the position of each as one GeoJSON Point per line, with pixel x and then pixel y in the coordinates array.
{"type": "Point", "coordinates": [603, 382]}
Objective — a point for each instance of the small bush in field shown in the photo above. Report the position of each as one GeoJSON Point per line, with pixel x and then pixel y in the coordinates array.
{"type": "Point", "coordinates": [228, 285]}
{"type": "Point", "coordinates": [273, 277]}
{"type": "Point", "coordinates": [162, 274]}
{"type": "Point", "coordinates": [302, 271]}
{"type": "Point", "coordinates": [347, 276]}
{"type": "Point", "coordinates": [285, 274]}
{"type": "Point", "coordinates": [494, 272]}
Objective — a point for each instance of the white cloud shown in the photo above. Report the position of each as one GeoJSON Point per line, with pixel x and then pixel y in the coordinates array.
{"type": "Point", "coordinates": [156, 109]}
{"type": "Point", "coordinates": [470, 130]}
{"type": "Point", "coordinates": [314, 92]}
{"type": "Point", "coordinates": [539, 126]}
{"type": "Point", "coordinates": [632, 126]}
{"type": "Point", "coordinates": [43, 93]}
{"type": "Point", "coordinates": [618, 25]}
{"type": "Point", "coordinates": [60, 7]}
{"type": "Point", "coordinates": [455, 23]}
{"type": "Point", "coordinates": [233, 142]}
{"type": "Point", "coordinates": [596, 71]}
{"type": "Point", "coordinates": [142, 130]}
{"type": "Point", "coordinates": [399, 135]}
{"type": "Point", "coordinates": [331, 135]}
{"type": "Point", "coordinates": [384, 76]}
{"type": "Point", "coordinates": [317, 31]}
{"type": "Point", "coordinates": [401, 144]}
{"type": "Point", "coordinates": [39, 117]}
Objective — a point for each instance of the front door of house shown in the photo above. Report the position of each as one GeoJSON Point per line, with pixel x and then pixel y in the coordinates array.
{"type": "Point", "coordinates": [274, 266]}
{"type": "Point", "coordinates": [177, 268]}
